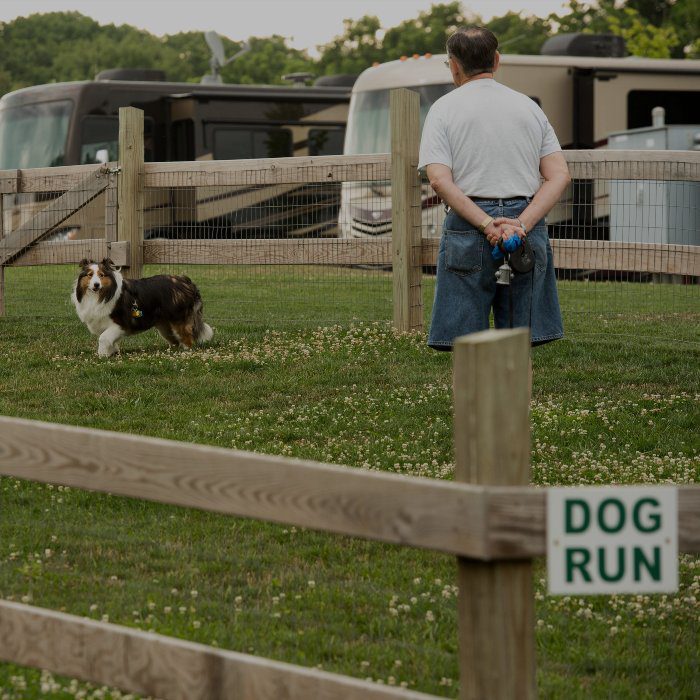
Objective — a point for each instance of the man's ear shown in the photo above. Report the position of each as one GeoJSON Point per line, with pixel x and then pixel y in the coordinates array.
{"type": "Point", "coordinates": [497, 61]}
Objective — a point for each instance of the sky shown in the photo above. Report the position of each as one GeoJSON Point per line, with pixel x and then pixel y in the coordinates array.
{"type": "Point", "coordinates": [306, 23]}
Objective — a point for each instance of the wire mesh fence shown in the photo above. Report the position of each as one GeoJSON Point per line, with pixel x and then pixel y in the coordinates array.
{"type": "Point", "coordinates": [276, 254]}
{"type": "Point", "coordinates": [313, 246]}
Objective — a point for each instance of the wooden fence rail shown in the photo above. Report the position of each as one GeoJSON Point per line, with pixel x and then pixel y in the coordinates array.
{"type": "Point", "coordinates": [164, 667]}
{"type": "Point", "coordinates": [483, 522]}
{"type": "Point", "coordinates": [138, 183]}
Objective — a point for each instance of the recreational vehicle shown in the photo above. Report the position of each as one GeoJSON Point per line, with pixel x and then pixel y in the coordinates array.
{"type": "Point", "coordinates": [585, 99]}
{"type": "Point", "coordinates": [77, 123]}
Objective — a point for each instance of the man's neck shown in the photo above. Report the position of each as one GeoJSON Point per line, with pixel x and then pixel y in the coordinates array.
{"type": "Point", "coordinates": [478, 76]}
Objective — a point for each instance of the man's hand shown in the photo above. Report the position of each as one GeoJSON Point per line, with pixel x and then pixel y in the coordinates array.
{"type": "Point", "coordinates": [512, 223]}
{"type": "Point", "coordinates": [502, 228]}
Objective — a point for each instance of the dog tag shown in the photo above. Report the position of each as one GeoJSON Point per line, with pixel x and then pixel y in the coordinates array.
{"type": "Point", "coordinates": [135, 311]}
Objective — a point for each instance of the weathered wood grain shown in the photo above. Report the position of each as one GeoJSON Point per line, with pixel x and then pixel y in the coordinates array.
{"type": "Point", "coordinates": [53, 179]}
{"type": "Point", "coordinates": [426, 513]}
{"type": "Point", "coordinates": [313, 251]}
{"type": "Point", "coordinates": [492, 446]}
{"type": "Point", "coordinates": [404, 107]}
{"type": "Point", "coordinates": [130, 188]}
{"type": "Point", "coordinates": [268, 171]}
{"type": "Point", "coordinates": [53, 215]}
{"type": "Point", "coordinates": [487, 522]}
{"type": "Point", "coordinates": [634, 165]}
{"type": "Point", "coordinates": [111, 208]}
{"type": "Point", "coordinates": [9, 181]}
{"type": "Point", "coordinates": [671, 259]}
{"type": "Point", "coordinates": [72, 252]}
{"type": "Point", "coordinates": [164, 667]}
{"type": "Point", "coordinates": [516, 521]}
{"type": "Point", "coordinates": [599, 163]}
{"type": "Point", "coordinates": [572, 254]}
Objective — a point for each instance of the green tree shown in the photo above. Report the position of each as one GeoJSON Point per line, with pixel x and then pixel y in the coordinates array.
{"type": "Point", "coordinates": [427, 33]}
{"type": "Point", "coordinates": [520, 34]}
{"type": "Point", "coordinates": [357, 48]}
{"type": "Point", "coordinates": [684, 17]}
{"type": "Point", "coordinates": [266, 62]}
{"type": "Point", "coordinates": [641, 36]}
{"type": "Point", "coordinates": [655, 11]}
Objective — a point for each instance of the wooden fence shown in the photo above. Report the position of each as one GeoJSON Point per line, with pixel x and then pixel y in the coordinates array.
{"type": "Point", "coordinates": [489, 518]}
{"type": "Point", "coordinates": [128, 184]}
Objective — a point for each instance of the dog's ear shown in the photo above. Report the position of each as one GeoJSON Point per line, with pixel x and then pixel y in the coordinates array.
{"type": "Point", "coordinates": [84, 262]}
{"type": "Point", "coordinates": [108, 263]}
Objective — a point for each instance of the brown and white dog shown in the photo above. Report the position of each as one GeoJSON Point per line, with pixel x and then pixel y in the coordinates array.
{"type": "Point", "coordinates": [113, 307]}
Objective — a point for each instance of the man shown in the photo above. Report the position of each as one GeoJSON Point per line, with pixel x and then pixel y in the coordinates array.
{"type": "Point", "coordinates": [484, 147]}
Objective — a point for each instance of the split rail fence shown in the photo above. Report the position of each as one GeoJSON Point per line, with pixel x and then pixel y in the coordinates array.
{"type": "Point", "coordinates": [132, 189]}
{"type": "Point", "coordinates": [489, 518]}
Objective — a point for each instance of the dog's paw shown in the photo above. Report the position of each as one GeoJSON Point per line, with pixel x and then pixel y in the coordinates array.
{"type": "Point", "coordinates": [106, 351]}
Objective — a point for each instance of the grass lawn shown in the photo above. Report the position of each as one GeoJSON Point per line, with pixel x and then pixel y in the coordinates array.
{"type": "Point", "coordinates": [618, 401]}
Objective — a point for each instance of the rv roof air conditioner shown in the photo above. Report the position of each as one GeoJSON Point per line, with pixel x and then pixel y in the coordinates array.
{"type": "Point", "coordinates": [594, 45]}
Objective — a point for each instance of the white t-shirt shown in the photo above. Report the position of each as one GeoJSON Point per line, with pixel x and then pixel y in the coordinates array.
{"type": "Point", "coordinates": [491, 137]}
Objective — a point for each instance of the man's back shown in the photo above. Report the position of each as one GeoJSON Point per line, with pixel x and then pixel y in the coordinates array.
{"type": "Point", "coordinates": [491, 137]}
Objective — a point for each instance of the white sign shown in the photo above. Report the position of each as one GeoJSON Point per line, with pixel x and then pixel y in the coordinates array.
{"type": "Point", "coordinates": [612, 539]}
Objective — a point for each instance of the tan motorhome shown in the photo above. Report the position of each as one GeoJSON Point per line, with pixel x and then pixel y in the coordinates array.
{"type": "Point", "coordinates": [585, 99]}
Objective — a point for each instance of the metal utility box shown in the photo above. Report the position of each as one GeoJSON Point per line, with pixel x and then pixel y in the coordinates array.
{"type": "Point", "coordinates": [655, 211]}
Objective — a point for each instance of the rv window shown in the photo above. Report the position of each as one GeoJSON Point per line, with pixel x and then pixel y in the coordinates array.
{"type": "Point", "coordinates": [100, 139]}
{"type": "Point", "coordinates": [368, 120]}
{"type": "Point", "coordinates": [326, 142]}
{"type": "Point", "coordinates": [99, 134]}
{"type": "Point", "coordinates": [232, 143]}
{"type": "Point", "coordinates": [682, 106]}
{"type": "Point", "coordinates": [34, 135]}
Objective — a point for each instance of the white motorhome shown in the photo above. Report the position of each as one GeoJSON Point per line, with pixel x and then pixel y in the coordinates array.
{"type": "Point", "coordinates": [585, 99]}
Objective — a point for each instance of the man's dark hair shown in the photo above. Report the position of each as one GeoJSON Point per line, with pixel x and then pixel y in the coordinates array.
{"type": "Point", "coordinates": [474, 48]}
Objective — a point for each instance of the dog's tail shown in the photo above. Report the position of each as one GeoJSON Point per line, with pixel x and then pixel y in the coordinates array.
{"type": "Point", "coordinates": [201, 331]}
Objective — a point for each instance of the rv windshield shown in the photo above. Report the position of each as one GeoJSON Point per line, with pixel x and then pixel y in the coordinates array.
{"type": "Point", "coordinates": [368, 120]}
{"type": "Point", "coordinates": [34, 136]}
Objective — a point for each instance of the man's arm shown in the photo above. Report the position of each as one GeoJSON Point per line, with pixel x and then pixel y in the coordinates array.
{"type": "Point", "coordinates": [441, 181]}
{"type": "Point", "coordinates": [555, 172]}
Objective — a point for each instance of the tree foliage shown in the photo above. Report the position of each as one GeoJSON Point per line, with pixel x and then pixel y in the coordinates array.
{"type": "Point", "coordinates": [63, 46]}
{"type": "Point", "coordinates": [642, 36]}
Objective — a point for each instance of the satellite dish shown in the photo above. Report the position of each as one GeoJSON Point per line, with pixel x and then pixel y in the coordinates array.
{"type": "Point", "coordinates": [216, 46]}
{"type": "Point", "coordinates": [218, 57]}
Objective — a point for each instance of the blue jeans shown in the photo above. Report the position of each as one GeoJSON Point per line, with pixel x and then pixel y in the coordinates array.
{"type": "Point", "coordinates": [466, 289]}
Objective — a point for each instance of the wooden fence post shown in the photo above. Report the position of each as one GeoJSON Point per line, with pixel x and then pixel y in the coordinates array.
{"type": "Point", "coordinates": [405, 209]}
{"type": "Point", "coordinates": [492, 446]}
{"type": "Point", "coordinates": [130, 187]}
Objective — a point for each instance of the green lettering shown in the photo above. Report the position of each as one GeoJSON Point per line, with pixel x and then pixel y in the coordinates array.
{"type": "Point", "coordinates": [654, 568]}
{"type": "Point", "coordinates": [620, 565]}
{"type": "Point", "coordinates": [653, 521]}
{"type": "Point", "coordinates": [620, 506]}
{"type": "Point", "coordinates": [584, 519]}
{"type": "Point", "coordinates": [577, 558]}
